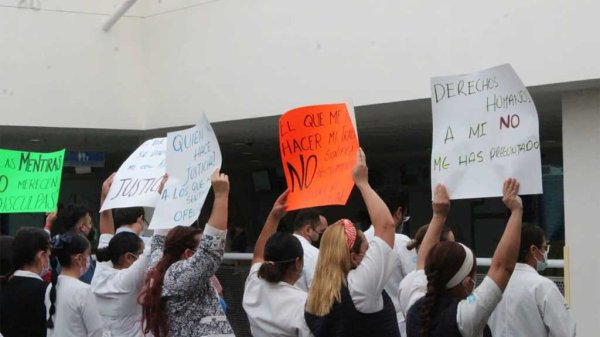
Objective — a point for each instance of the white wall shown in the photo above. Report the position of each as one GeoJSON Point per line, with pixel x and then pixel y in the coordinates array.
{"type": "Point", "coordinates": [581, 136]}
{"type": "Point", "coordinates": [238, 59]}
{"type": "Point", "coordinates": [234, 59]}
{"type": "Point", "coordinates": [58, 68]}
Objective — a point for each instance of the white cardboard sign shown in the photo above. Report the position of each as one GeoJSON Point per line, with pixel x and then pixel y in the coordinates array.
{"type": "Point", "coordinates": [485, 129]}
{"type": "Point", "coordinates": [138, 179]}
{"type": "Point", "coordinates": [192, 156]}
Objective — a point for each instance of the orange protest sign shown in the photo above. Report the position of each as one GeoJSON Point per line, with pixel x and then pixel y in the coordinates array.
{"type": "Point", "coordinates": [318, 147]}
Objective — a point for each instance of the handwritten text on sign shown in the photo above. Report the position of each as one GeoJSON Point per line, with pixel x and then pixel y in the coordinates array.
{"type": "Point", "coordinates": [29, 181]}
{"type": "Point", "coordinates": [138, 179]}
{"type": "Point", "coordinates": [192, 156]}
{"type": "Point", "coordinates": [318, 147]}
{"type": "Point", "coordinates": [485, 129]}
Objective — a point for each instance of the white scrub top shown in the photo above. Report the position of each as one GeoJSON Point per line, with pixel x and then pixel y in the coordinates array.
{"type": "Point", "coordinates": [76, 311]}
{"type": "Point", "coordinates": [532, 305]}
{"type": "Point", "coordinates": [274, 309]}
{"type": "Point", "coordinates": [406, 263]}
{"type": "Point", "coordinates": [311, 254]}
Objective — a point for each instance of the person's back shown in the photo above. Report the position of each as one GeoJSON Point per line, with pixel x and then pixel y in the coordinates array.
{"type": "Point", "coordinates": [22, 310]}
{"type": "Point", "coordinates": [117, 281]}
{"type": "Point", "coordinates": [532, 304]}
{"type": "Point", "coordinates": [74, 299]}
{"type": "Point", "coordinates": [529, 307]}
{"type": "Point", "coordinates": [273, 304]}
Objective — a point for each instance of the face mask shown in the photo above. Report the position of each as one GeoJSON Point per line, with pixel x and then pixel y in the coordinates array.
{"type": "Point", "coordinates": [542, 265]}
{"type": "Point", "coordinates": [472, 281]}
{"type": "Point", "coordinates": [85, 268]}
{"type": "Point", "coordinates": [45, 270]}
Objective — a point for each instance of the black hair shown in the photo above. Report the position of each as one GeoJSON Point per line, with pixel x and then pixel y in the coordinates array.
{"type": "Point", "coordinates": [26, 244]}
{"type": "Point", "coordinates": [63, 248]}
{"type": "Point", "coordinates": [70, 215]}
{"type": "Point", "coordinates": [530, 235]}
{"type": "Point", "coordinates": [307, 216]}
{"type": "Point", "coordinates": [122, 243]}
{"type": "Point", "coordinates": [281, 252]}
{"type": "Point", "coordinates": [441, 264]}
{"type": "Point", "coordinates": [420, 234]}
{"type": "Point", "coordinates": [6, 256]}
{"type": "Point", "coordinates": [127, 216]}
{"type": "Point", "coordinates": [394, 197]}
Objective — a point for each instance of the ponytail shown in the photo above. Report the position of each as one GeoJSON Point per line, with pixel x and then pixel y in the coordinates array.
{"type": "Point", "coordinates": [63, 248]}
{"type": "Point", "coordinates": [442, 263]}
{"type": "Point", "coordinates": [274, 272]}
{"type": "Point", "coordinates": [119, 245]}
{"type": "Point", "coordinates": [281, 252]}
{"type": "Point", "coordinates": [52, 311]}
{"type": "Point", "coordinates": [102, 254]}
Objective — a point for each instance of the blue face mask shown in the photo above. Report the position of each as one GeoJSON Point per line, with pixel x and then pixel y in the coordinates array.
{"type": "Point", "coordinates": [542, 265]}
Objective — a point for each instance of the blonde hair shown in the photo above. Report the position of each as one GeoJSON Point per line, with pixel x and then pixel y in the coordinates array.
{"type": "Point", "coordinates": [332, 268]}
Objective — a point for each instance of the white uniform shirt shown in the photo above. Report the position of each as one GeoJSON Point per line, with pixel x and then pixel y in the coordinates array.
{"type": "Point", "coordinates": [116, 294]}
{"type": "Point", "coordinates": [473, 312]}
{"type": "Point", "coordinates": [311, 254]}
{"type": "Point", "coordinates": [367, 281]}
{"type": "Point", "coordinates": [274, 309]}
{"type": "Point", "coordinates": [412, 288]}
{"type": "Point", "coordinates": [531, 306]}
{"type": "Point", "coordinates": [76, 311]}
{"type": "Point", "coordinates": [406, 263]}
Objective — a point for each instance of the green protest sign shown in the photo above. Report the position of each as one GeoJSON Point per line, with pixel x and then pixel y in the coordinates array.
{"type": "Point", "coordinates": [29, 181]}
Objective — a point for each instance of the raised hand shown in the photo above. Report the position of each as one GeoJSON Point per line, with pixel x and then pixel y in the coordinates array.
{"type": "Point", "coordinates": [220, 183]}
{"type": "Point", "coordinates": [106, 185]}
{"type": "Point", "coordinates": [279, 209]}
{"type": "Point", "coordinates": [163, 181]}
{"type": "Point", "coordinates": [441, 200]}
{"type": "Point", "coordinates": [510, 194]}
{"type": "Point", "coordinates": [360, 172]}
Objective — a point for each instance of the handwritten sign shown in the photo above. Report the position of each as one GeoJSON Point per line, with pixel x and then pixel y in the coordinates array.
{"type": "Point", "coordinates": [318, 147]}
{"type": "Point", "coordinates": [29, 181]}
{"type": "Point", "coordinates": [485, 129]}
{"type": "Point", "coordinates": [192, 156]}
{"type": "Point", "coordinates": [138, 179]}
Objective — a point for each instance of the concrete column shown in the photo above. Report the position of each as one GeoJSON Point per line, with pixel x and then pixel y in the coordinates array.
{"type": "Point", "coordinates": [581, 159]}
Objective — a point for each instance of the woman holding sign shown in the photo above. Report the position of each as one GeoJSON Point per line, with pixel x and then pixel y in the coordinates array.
{"type": "Point", "coordinates": [275, 307]}
{"type": "Point", "coordinates": [179, 298]}
{"type": "Point", "coordinates": [450, 305]}
{"type": "Point", "coordinates": [347, 297]}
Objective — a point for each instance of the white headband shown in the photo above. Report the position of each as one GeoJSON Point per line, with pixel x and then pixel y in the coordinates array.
{"type": "Point", "coordinates": [464, 270]}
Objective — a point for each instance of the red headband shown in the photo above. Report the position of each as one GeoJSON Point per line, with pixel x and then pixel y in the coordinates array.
{"type": "Point", "coordinates": [350, 232]}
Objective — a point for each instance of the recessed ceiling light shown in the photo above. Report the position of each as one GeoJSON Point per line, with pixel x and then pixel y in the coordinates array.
{"type": "Point", "coordinates": [35, 140]}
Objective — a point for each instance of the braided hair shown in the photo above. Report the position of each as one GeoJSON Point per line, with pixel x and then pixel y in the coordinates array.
{"type": "Point", "coordinates": [63, 248]}
{"type": "Point", "coordinates": [442, 262]}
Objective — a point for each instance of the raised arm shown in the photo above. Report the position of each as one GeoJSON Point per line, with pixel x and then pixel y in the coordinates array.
{"type": "Point", "coordinates": [270, 227]}
{"type": "Point", "coordinates": [505, 256]}
{"type": "Point", "coordinates": [107, 224]}
{"type": "Point", "coordinates": [380, 215]}
{"type": "Point", "coordinates": [218, 215]}
{"type": "Point", "coordinates": [441, 207]}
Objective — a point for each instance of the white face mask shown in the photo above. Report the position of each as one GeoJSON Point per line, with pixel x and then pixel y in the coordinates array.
{"type": "Point", "coordinates": [86, 267]}
{"type": "Point", "coordinates": [542, 265]}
